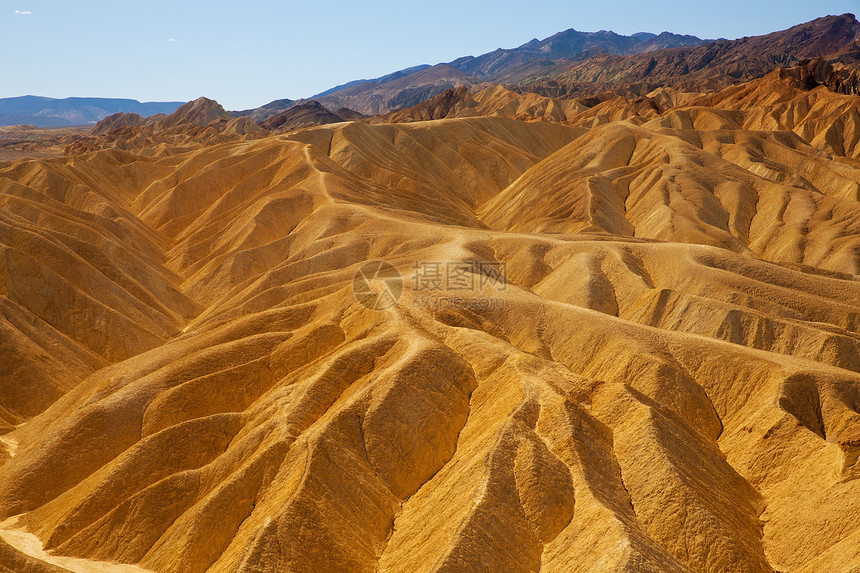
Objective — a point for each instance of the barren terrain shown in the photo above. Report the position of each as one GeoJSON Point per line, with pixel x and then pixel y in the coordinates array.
{"type": "Point", "coordinates": [625, 337]}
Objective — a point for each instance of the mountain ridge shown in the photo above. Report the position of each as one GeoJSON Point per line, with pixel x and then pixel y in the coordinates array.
{"type": "Point", "coordinates": [708, 67]}
{"type": "Point", "coordinates": [566, 63]}
{"type": "Point", "coordinates": [572, 63]}
{"type": "Point", "coordinates": [410, 86]}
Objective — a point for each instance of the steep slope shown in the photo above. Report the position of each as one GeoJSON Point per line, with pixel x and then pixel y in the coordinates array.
{"type": "Point", "coordinates": [82, 277]}
{"type": "Point", "coordinates": [836, 76]}
{"type": "Point", "coordinates": [630, 346]}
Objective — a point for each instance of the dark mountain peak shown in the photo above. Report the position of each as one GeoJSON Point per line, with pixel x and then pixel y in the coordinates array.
{"type": "Point", "coordinates": [534, 57]}
{"type": "Point", "coordinates": [665, 40]}
{"type": "Point", "coordinates": [644, 36]}
{"type": "Point", "coordinates": [304, 114]}
{"type": "Point", "coordinates": [264, 112]}
{"type": "Point", "coordinates": [826, 36]}
{"type": "Point", "coordinates": [437, 107]}
{"type": "Point", "coordinates": [279, 103]}
{"type": "Point", "coordinates": [311, 105]}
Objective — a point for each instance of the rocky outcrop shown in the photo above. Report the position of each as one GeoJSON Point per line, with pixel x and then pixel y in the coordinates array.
{"type": "Point", "coordinates": [302, 115]}
{"type": "Point", "coordinates": [116, 121]}
{"type": "Point", "coordinates": [196, 123]}
{"type": "Point", "coordinates": [834, 75]}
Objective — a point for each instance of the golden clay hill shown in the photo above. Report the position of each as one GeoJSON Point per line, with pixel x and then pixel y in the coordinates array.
{"type": "Point", "coordinates": [495, 331]}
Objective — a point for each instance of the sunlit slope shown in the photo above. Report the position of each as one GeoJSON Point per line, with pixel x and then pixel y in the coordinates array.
{"type": "Point", "coordinates": [668, 379]}
{"type": "Point", "coordinates": [828, 121]}
{"type": "Point", "coordinates": [768, 192]}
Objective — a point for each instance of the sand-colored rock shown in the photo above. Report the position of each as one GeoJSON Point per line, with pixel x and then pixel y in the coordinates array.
{"type": "Point", "coordinates": [195, 124]}
{"type": "Point", "coordinates": [665, 377]}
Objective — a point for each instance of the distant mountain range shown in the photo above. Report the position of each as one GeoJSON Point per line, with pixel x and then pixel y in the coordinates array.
{"type": "Point", "coordinates": [708, 67]}
{"type": "Point", "coordinates": [565, 65]}
{"type": "Point", "coordinates": [51, 112]}
{"type": "Point", "coordinates": [573, 63]}
{"type": "Point", "coordinates": [505, 66]}
{"type": "Point", "coordinates": [413, 85]}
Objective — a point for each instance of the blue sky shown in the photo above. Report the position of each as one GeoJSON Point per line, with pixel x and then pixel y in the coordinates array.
{"type": "Point", "coordinates": [247, 54]}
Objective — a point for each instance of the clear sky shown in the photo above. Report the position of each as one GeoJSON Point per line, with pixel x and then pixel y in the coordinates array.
{"type": "Point", "coordinates": [249, 53]}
